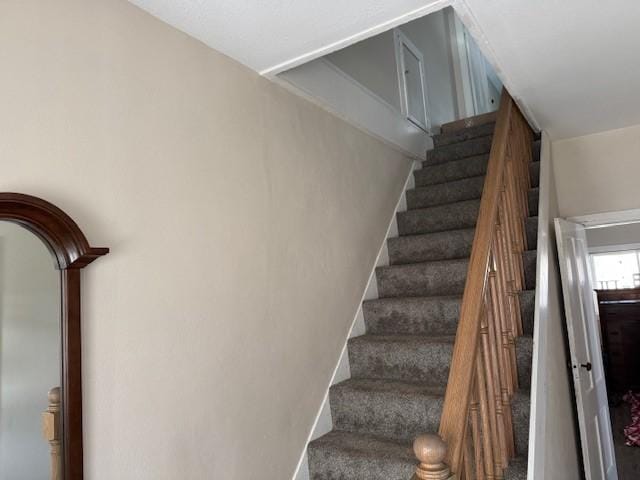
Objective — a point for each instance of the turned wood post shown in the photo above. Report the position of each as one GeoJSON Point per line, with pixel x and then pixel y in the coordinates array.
{"type": "Point", "coordinates": [431, 451]}
{"type": "Point", "coordinates": [51, 432]}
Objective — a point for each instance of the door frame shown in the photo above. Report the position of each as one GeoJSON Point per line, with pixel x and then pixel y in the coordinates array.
{"type": "Point", "coordinates": [400, 40]}
{"type": "Point", "coordinates": [604, 219]}
{"type": "Point", "coordinates": [594, 399]}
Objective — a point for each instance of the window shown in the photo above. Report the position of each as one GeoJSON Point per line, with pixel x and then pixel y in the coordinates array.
{"type": "Point", "coordinates": [616, 269]}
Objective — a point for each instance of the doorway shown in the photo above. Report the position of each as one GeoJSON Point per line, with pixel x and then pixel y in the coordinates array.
{"type": "Point", "coordinates": [600, 268]}
{"type": "Point", "coordinates": [411, 79]}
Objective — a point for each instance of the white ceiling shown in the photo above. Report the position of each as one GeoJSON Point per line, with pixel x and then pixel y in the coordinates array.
{"type": "Point", "coordinates": [574, 64]}
{"type": "Point", "coordinates": [265, 34]}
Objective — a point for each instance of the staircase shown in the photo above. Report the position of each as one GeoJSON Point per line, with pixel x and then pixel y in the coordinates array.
{"type": "Point", "coordinates": [400, 367]}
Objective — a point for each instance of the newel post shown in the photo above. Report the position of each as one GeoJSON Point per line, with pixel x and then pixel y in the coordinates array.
{"type": "Point", "coordinates": [431, 452]}
{"type": "Point", "coordinates": [51, 432]}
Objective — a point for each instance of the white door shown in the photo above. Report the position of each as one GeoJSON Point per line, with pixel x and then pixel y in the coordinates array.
{"type": "Point", "coordinates": [411, 78]}
{"type": "Point", "coordinates": [585, 351]}
{"type": "Point", "coordinates": [477, 76]}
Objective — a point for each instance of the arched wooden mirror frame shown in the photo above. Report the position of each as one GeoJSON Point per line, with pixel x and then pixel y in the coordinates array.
{"type": "Point", "coordinates": [71, 252]}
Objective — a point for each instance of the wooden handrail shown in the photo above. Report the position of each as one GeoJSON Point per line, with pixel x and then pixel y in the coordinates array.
{"type": "Point", "coordinates": [476, 420]}
{"type": "Point", "coordinates": [51, 432]}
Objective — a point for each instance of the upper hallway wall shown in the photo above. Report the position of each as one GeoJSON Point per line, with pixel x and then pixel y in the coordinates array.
{"type": "Point", "coordinates": [243, 224]}
{"type": "Point", "coordinates": [372, 63]}
{"type": "Point", "coordinates": [598, 173]}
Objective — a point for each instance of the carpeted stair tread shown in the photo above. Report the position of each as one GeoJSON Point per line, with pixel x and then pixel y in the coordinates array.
{"type": "Point", "coordinates": [411, 358]}
{"type": "Point", "coordinates": [449, 192]}
{"type": "Point", "coordinates": [450, 171]}
{"type": "Point", "coordinates": [463, 134]}
{"type": "Point", "coordinates": [456, 151]}
{"type": "Point", "coordinates": [520, 408]}
{"type": "Point", "coordinates": [412, 315]}
{"type": "Point", "coordinates": [451, 216]}
{"type": "Point", "coordinates": [444, 277]}
{"type": "Point", "coordinates": [533, 197]}
{"type": "Point", "coordinates": [527, 308]}
{"type": "Point", "coordinates": [517, 469]}
{"type": "Point", "coordinates": [351, 456]}
{"type": "Point", "coordinates": [524, 358]}
{"type": "Point", "coordinates": [388, 409]}
{"type": "Point", "coordinates": [427, 247]}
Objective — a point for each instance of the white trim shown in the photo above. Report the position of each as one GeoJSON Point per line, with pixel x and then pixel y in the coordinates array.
{"type": "Point", "coordinates": [400, 41]}
{"type": "Point", "coordinates": [619, 217]}
{"type": "Point", "coordinates": [341, 371]}
{"type": "Point", "coordinates": [324, 84]}
{"type": "Point", "coordinates": [538, 410]}
{"type": "Point", "coordinates": [350, 40]}
{"type": "Point", "coordinates": [614, 248]}
{"type": "Point", "coordinates": [459, 66]}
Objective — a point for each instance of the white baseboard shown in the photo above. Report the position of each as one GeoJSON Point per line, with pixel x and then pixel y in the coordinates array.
{"type": "Point", "coordinates": [325, 85]}
{"type": "Point", "coordinates": [323, 422]}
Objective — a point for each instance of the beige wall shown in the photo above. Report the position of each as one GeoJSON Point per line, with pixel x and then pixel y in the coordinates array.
{"type": "Point", "coordinates": [614, 235]}
{"type": "Point", "coordinates": [598, 173]}
{"type": "Point", "coordinates": [243, 223]}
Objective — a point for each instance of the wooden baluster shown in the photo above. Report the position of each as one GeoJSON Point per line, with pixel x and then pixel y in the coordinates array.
{"type": "Point", "coordinates": [488, 436]}
{"type": "Point", "coordinates": [476, 433]}
{"type": "Point", "coordinates": [51, 432]}
{"type": "Point", "coordinates": [505, 313]}
{"type": "Point", "coordinates": [487, 364]}
{"type": "Point", "coordinates": [506, 370]}
{"type": "Point", "coordinates": [512, 275]}
{"type": "Point", "coordinates": [468, 472]}
{"type": "Point", "coordinates": [518, 240]}
{"type": "Point", "coordinates": [431, 452]}
{"type": "Point", "coordinates": [497, 376]}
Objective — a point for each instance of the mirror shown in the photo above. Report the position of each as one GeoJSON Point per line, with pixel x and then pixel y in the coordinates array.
{"type": "Point", "coordinates": [29, 350]}
{"type": "Point", "coordinates": [42, 251]}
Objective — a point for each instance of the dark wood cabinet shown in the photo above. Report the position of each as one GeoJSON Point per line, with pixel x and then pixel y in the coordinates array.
{"type": "Point", "coordinates": [620, 326]}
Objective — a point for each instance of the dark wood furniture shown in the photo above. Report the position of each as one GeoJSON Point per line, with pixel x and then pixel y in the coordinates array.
{"type": "Point", "coordinates": [71, 252]}
{"type": "Point", "coordinates": [620, 327]}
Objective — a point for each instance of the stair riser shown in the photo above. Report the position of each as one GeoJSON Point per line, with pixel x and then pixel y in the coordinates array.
{"type": "Point", "coordinates": [421, 280]}
{"type": "Point", "coordinates": [529, 261]}
{"type": "Point", "coordinates": [527, 308]}
{"type": "Point", "coordinates": [531, 230]}
{"type": "Point", "coordinates": [406, 361]}
{"type": "Point", "coordinates": [388, 415]}
{"type": "Point", "coordinates": [454, 216]}
{"type": "Point", "coordinates": [447, 153]}
{"type": "Point", "coordinates": [413, 316]}
{"type": "Point", "coordinates": [457, 191]}
{"type": "Point", "coordinates": [426, 248]}
{"type": "Point", "coordinates": [463, 135]}
{"type": "Point", "coordinates": [451, 171]}
{"type": "Point", "coordinates": [340, 465]}
{"type": "Point", "coordinates": [524, 356]}
{"type": "Point", "coordinates": [534, 197]}
{"type": "Point", "coordinates": [520, 411]}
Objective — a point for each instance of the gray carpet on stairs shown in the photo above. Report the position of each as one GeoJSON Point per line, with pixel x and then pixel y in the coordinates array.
{"type": "Point", "coordinates": [399, 368]}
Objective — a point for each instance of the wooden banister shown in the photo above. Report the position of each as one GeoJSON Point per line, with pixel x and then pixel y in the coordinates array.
{"type": "Point", "coordinates": [52, 434]}
{"type": "Point", "coordinates": [431, 452]}
{"type": "Point", "coordinates": [476, 421]}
